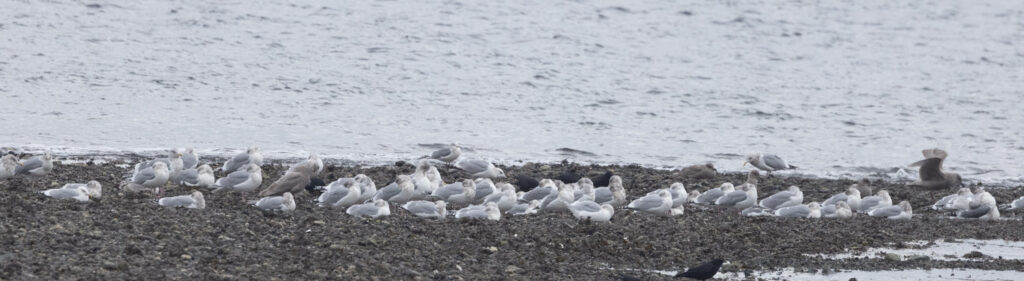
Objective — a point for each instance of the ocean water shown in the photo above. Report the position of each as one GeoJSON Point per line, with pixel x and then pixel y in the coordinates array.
{"type": "Point", "coordinates": [839, 88]}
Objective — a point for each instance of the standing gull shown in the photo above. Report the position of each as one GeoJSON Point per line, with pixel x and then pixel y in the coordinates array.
{"type": "Point", "coordinates": [448, 154]}
{"type": "Point", "coordinates": [252, 155]}
{"type": "Point", "coordinates": [658, 203]}
{"type": "Point", "coordinates": [898, 212]}
{"type": "Point", "coordinates": [427, 209]}
{"type": "Point", "coordinates": [244, 180]}
{"type": "Point", "coordinates": [8, 166]}
{"type": "Point", "coordinates": [931, 174]}
{"type": "Point", "coordinates": [38, 165]}
{"type": "Point", "coordinates": [791, 197]}
{"type": "Point", "coordinates": [284, 203]}
{"type": "Point", "coordinates": [377, 208]}
{"type": "Point", "coordinates": [192, 201]}
{"type": "Point", "coordinates": [480, 169]}
{"type": "Point", "coordinates": [879, 200]}
{"type": "Point", "coordinates": [767, 162]}
{"type": "Point", "coordinates": [294, 181]}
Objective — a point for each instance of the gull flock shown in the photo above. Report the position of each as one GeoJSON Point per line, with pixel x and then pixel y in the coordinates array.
{"type": "Point", "coordinates": [424, 194]}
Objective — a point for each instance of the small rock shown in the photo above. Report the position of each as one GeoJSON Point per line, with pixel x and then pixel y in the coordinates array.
{"type": "Point", "coordinates": [919, 257]}
{"type": "Point", "coordinates": [336, 247]}
{"type": "Point", "coordinates": [545, 167]}
{"type": "Point", "coordinates": [974, 255]}
{"type": "Point", "coordinates": [892, 257]}
{"type": "Point", "coordinates": [186, 257]}
{"type": "Point", "coordinates": [319, 222]}
{"type": "Point", "coordinates": [491, 249]}
{"type": "Point", "coordinates": [512, 269]}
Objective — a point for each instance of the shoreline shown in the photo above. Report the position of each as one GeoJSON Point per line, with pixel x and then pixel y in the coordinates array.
{"type": "Point", "coordinates": [127, 236]}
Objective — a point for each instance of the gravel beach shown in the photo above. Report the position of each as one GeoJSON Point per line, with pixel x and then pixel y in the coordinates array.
{"type": "Point", "coordinates": [127, 236]}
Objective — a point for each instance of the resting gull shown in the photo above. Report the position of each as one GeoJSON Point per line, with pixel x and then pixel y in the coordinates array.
{"type": "Point", "coordinates": [767, 162]}
{"type": "Point", "coordinates": [284, 203]}
{"type": "Point", "coordinates": [657, 203]}
{"type": "Point", "coordinates": [488, 211]}
{"type": "Point", "coordinates": [38, 165]}
{"type": "Point", "coordinates": [879, 200]}
{"type": "Point", "coordinates": [427, 209]}
{"type": "Point", "coordinates": [377, 208]}
{"type": "Point", "coordinates": [791, 197]}
{"type": "Point", "coordinates": [191, 201]}
{"type": "Point", "coordinates": [243, 180]}
{"type": "Point", "coordinates": [480, 169]}
{"type": "Point", "coordinates": [811, 210]}
{"type": "Point", "coordinates": [524, 208]}
{"type": "Point", "coordinates": [252, 155]}
{"type": "Point", "coordinates": [901, 211]}
{"type": "Point", "coordinates": [589, 210]}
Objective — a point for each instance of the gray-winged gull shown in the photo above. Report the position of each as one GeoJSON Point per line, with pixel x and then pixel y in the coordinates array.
{"type": "Point", "coordinates": [984, 207]}
{"type": "Point", "coordinates": [851, 196]}
{"type": "Point", "coordinates": [377, 208]}
{"type": "Point", "coordinates": [741, 199]}
{"type": "Point", "coordinates": [901, 211]}
{"type": "Point", "coordinates": [80, 193]}
{"type": "Point", "coordinates": [658, 203]}
{"type": "Point", "coordinates": [559, 201]}
{"type": "Point", "coordinates": [713, 194]}
{"type": "Point", "coordinates": [678, 192]}
{"type": "Point", "coordinates": [505, 197]}
{"type": "Point", "coordinates": [546, 187]}
{"type": "Point", "coordinates": [879, 200]}
{"type": "Point", "coordinates": [841, 210]}
{"type": "Point", "coordinates": [312, 163]}
{"type": "Point", "coordinates": [151, 178]}
{"type": "Point", "coordinates": [465, 194]}
{"type": "Point", "coordinates": [340, 194]}
{"type": "Point", "coordinates": [480, 169]}
{"type": "Point", "coordinates": [252, 155]}
{"type": "Point", "coordinates": [200, 177]}
{"type": "Point", "coordinates": [792, 196]}
{"type": "Point", "coordinates": [189, 159]}
{"type": "Point", "coordinates": [93, 188]}
{"type": "Point", "coordinates": [692, 197]}
{"type": "Point", "coordinates": [614, 193]}
{"type": "Point", "coordinates": [447, 154]}
{"type": "Point", "coordinates": [398, 192]}
{"type": "Point", "coordinates": [811, 210]}
{"type": "Point", "coordinates": [931, 174]}
{"type": "Point", "coordinates": [175, 165]}
{"type": "Point", "coordinates": [1017, 204]}
{"type": "Point", "coordinates": [488, 211]}
{"type": "Point", "coordinates": [589, 210]}
{"type": "Point", "coordinates": [767, 162]}
{"type": "Point", "coordinates": [427, 209]}
{"type": "Point", "coordinates": [284, 203]}
{"type": "Point", "coordinates": [524, 208]}
{"type": "Point", "coordinates": [38, 165]}
{"type": "Point", "coordinates": [243, 180]}
{"type": "Point", "coordinates": [484, 187]}
{"type": "Point", "coordinates": [191, 201]}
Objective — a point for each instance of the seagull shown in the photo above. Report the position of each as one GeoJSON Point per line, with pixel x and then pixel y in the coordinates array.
{"type": "Point", "coordinates": [558, 201]}
{"type": "Point", "coordinates": [713, 194]}
{"type": "Point", "coordinates": [488, 211]}
{"type": "Point", "coordinates": [879, 200]}
{"type": "Point", "coordinates": [294, 180]}
{"type": "Point", "coordinates": [947, 202]}
{"type": "Point", "coordinates": [398, 192]}
{"type": "Point", "coordinates": [79, 193]}
{"type": "Point", "coordinates": [739, 199]}
{"type": "Point", "coordinates": [377, 208]}
{"type": "Point", "coordinates": [191, 201]}
{"type": "Point", "coordinates": [851, 197]}
{"type": "Point", "coordinates": [8, 164]}
{"type": "Point", "coordinates": [589, 210]}
{"type": "Point", "coordinates": [864, 186]}
{"type": "Point", "coordinates": [38, 165]}
{"type": "Point", "coordinates": [811, 210]}
{"type": "Point", "coordinates": [901, 211]}
{"type": "Point", "coordinates": [201, 177]}
{"type": "Point", "coordinates": [931, 174]}
{"type": "Point", "coordinates": [1017, 204]}
{"type": "Point", "coordinates": [505, 198]}
{"type": "Point", "coordinates": [427, 209]}
{"type": "Point", "coordinates": [962, 202]}
{"type": "Point", "coordinates": [704, 271]}
{"type": "Point", "coordinates": [460, 193]}
{"type": "Point", "coordinates": [480, 169]}
{"type": "Point", "coordinates": [340, 195]}
{"type": "Point", "coordinates": [614, 193]}
{"type": "Point", "coordinates": [189, 159]}
{"type": "Point", "coordinates": [767, 162]}
{"type": "Point", "coordinates": [842, 210]}
{"type": "Point", "coordinates": [678, 192]}
{"type": "Point", "coordinates": [448, 154]}
{"type": "Point", "coordinates": [658, 203]}
{"type": "Point", "coordinates": [313, 163]}
{"type": "Point", "coordinates": [547, 186]}
{"type": "Point", "coordinates": [252, 155]}
{"type": "Point", "coordinates": [985, 207]}
{"type": "Point", "coordinates": [524, 208]}
{"type": "Point", "coordinates": [175, 165]}
{"type": "Point", "coordinates": [151, 178]}
{"type": "Point", "coordinates": [692, 197]}
{"type": "Point", "coordinates": [93, 188]}
{"type": "Point", "coordinates": [244, 180]}
{"type": "Point", "coordinates": [484, 187]}
{"type": "Point", "coordinates": [791, 197]}
{"type": "Point", "coordinates": [284, 203]}
{"type": "Point", "coordinates": [706, 171]}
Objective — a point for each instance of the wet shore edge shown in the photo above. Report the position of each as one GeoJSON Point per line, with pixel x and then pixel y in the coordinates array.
{"type": "Point", "coordinates": [127, 236]}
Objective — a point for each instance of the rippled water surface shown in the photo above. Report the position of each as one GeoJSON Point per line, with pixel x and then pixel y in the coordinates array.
{"type": "Point", "coordinates": [838, 88]}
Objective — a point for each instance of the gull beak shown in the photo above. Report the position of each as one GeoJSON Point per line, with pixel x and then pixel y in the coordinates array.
{"type": "Point", "coordinates": [21, 164]}
{"type": "Point", "coordinates": [745, 163]}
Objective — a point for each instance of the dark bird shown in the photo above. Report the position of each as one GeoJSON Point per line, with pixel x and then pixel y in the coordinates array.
{"type": "Point", "coordinates": [569, 177]}
{"type": "Point", "coordinates": [526, 183]}
{"type": "Point", "coordinates": [313, 184]}
{"type": "Point", "coordinates": [629, 278]}
{"type": "Point", "coordinates": [931, 174]}
{"type": "Point", "coordinates": [704, 271]}
{"type": "Point", "coordinates": [706, 171]}
{"type": "Point", "coordinates": [603, 179]}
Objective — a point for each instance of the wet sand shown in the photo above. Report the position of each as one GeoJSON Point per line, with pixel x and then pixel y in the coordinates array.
{"type": "Point", "coordinates": [127, 236]}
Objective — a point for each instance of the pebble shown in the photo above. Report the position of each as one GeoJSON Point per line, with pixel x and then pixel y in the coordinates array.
{"type": "Point", "coordinates": [892, 257]}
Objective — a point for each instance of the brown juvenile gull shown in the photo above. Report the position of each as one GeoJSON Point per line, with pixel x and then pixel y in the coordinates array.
{"type": "Point", "coordinates": [706, 171]}
{"type": "Point", "coordinates": [293, 181]}
{"type": "Point", "coordinates": [313, 163]}
{"type": "Point", "coordinates": [931, 174]}
{"type": "Point", "coordinates": [864, 186]}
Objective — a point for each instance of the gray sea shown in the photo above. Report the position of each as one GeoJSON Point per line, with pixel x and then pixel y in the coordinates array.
{"type": "Point", "coordinates": [839, 88]}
